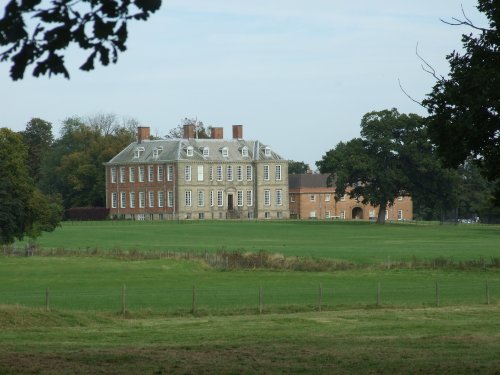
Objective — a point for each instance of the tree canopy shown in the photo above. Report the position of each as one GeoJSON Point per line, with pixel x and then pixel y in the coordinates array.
{"type": "Point", "coordinates": [297, 167]}
{"type": "Point", "coordinates": [38, 138]}
{"type": "Point", "coordinates": [24, 210]}
{"type": "Point", "coordinates": [476, 195]}
{"type": "Point", "coordinates": [464, 108]}
{"type": "Point", "coordinates": [392, 158]}
{"type": "Point", "coordinates": [36, 32]}
{"type": "Point", "coordinates": [201, 132]}
{"type": "Point", "coordinates": [74, 166]}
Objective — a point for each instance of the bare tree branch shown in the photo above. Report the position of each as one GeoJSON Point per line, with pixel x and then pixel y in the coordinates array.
{"type": "Point", "coordinates": [428, 68]}
{"type": "Point", "coordinates": [467, 22]}
{"type": "Point", "coordinates": [408, 95]}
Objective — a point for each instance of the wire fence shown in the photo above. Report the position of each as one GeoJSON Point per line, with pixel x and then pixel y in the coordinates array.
{"type": "Point", "coordinates": [257, 299]}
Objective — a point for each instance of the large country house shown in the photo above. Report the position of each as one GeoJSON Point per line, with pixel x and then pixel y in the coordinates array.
{"type": "Point", "coordinates": [312, 198]}
{"type": "Point", "coordinates": [192, 178]}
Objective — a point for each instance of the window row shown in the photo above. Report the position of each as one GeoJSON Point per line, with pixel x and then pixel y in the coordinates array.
{"type": "Point", "coordinates": [205, 151]}
{"type": "Point", "coordinates": [138, 199]}
{"type": "Point", "coordinates": [312, 198]}
{"type": "Point", "coordinates": [157, 173]}
{"type": "Point", "coordinates": [216, 198]}
{"type": "Point", "coordinates": [138, 151]}
{"type": "Point", "coordinates": [231, 173]}
{"type": "Point", "coordinates": [121, 173]}
{"type": "Point", "coordinates": [267, 174]}
{"type": "Point", "coordinates": [217, 173]}
{"type": "Point", "coordinates": [278, 197]}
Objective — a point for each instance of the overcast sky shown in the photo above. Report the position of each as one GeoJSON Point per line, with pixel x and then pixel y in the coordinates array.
{"type": "Point", "coordinates": [298, 74]}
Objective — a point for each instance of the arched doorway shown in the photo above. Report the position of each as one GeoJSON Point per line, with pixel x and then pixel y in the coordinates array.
{"type": "Point", "coordinates": [357, 213]}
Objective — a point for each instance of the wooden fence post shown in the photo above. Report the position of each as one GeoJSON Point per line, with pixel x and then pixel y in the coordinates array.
{"type": "Point", "coordinates": [193, 302]}
{"type": "Point", "coordinates": [260, 299]}
{"type": "Point", "coordinates": [124, 299]}
{"type": "Point", "coordinates": [437, 294]}
{"type": "Point", "coordinates": [378, 294]}
{"type": "Point", "coordinates": [320, 297]}
{"type": "Point", "coordinates": [47, 304]}
{"type": "Point", "coordinates": [487, 293]}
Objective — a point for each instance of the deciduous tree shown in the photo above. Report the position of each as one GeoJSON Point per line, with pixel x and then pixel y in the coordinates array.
{"type": "Point", "coordinates": [24, 210]}
{"type": "Point", "coordinates": [74, 167]}
{"type": "Point", "coordinates": [297, 167]}
{"type": "Point", "coordinates": [38, 139]}
{"type": "Point", "coordinates": [201, 132]}
{"type": "Point", "coordinates": [464, 107]}
{"type": "Point", "coordinates": [392, 158]}
{"type": "Point", "coordinates": [36, 32]}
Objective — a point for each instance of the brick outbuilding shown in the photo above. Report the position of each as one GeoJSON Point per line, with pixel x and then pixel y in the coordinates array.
{"type": "Point", "coordinates": [312, 198]}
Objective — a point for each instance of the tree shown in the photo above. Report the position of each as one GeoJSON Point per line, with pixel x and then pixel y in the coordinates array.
{"type": "Point", "coordinates": [476, 195]}
{"type": "Point", "coordinates": [392, 158]}
{"type": "Point", "coordinates": [38, 138]}
{"type": "Point", "coordinates": [74, 167]}
{"type": "Point", "coordinates": [199, 128]}
{"type": "Point", "coordinates": [24, 210]}
{"type": "Point", "coordinates": [297, 167]}
{"type": "Point", "coordinates": [53, 25]}
{"type": "Point", "coordinates": [464, 108]}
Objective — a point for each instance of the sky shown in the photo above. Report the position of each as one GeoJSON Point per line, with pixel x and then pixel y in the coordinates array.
{"type": "Point", "coordinates": [298, 74]}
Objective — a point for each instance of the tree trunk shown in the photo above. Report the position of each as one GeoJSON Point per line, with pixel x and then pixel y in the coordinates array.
{"type": "Point", "coordinates": [381, 213]}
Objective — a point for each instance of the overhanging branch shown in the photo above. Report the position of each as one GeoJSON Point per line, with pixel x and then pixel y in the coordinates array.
{"type": "Point", "coordinates": [408, 95]}
{"type": "Point", "coordinates": [467, 22]}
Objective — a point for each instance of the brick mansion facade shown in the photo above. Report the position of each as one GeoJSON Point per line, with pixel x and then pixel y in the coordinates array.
{"type": "Point", "coordinates": [217, 178]}
{"type": "Point", "coordinates": [192, 178]}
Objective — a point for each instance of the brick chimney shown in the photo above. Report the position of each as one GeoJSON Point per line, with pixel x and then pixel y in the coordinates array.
{"type": "Point", "coordinates": [217, 133]}
{"type": "Point", "coordinates": [142, 133]}
{"type": "Point", "coordinates": [237, 131]}
{"type": "Point", "coordinates": [189, 131]}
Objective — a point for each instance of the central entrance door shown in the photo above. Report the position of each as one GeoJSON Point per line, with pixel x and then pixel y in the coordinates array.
{"type": "Point", "coordinates": [230, 205]}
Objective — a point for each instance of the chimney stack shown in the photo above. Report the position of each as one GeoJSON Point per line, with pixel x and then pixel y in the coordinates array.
{"type": "Point", "coordinates": [237, 131]}
{"type": "Point", "coordinates": [189, 131]}
{"type": "Point", "coordinates": [143, 133]}
{"type": "Point", "coordinates": [217, 133]}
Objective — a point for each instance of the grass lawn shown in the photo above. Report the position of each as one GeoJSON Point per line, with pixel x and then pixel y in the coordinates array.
{"type": "Point", "coordinates": [449, 340]}
{"type": "Point", "coordinates": [358, 242]}
{"type": "Point", "coordinates": [95, 283]}
{"type": "Point", "coordinates": [85, 332]}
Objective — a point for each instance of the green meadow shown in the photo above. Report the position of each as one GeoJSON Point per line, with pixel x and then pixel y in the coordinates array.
{"type": "Point", "coordinates": [166, 286]}
{"type": "Point", "coordinates": [359, 242]}
{"type": "Point", "coordinates": [91, 301]}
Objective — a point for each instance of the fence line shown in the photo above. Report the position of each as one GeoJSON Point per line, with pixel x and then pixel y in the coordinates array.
{"type": "Point", "coordinates": [216, 298]}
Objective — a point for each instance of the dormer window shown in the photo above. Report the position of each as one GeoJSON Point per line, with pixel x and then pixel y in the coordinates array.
{"type": "Point", "coordinates": [157, 151]}
{"type": "Point", "coordinates": [225, 152]}
{"type": "Point", "coordinates": [137, 152]}
{"type": "Point", "coordinates": [206, 152]}
{"type": "Point", "coordinates": [267, 151]}
{"type": "Point", "coordinates": [244, 152]}
{"type": "Point", "coordinates": [189, 151]}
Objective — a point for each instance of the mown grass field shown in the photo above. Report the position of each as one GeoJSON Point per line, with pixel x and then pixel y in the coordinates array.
{"type": "Point", "coordinates": [407, 333]}
{"type": "Point", "coordinates": [359, 242]}
{"type": "Point", "coordinates": [165, 285]}
{"type": "Point", "coordinates": [450, 340]}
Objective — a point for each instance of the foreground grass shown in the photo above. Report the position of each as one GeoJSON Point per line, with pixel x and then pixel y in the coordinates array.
{"type": "Point", "coordinates": [359, 242]}
{"type": "Point", "coordinates": [451, 340]}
